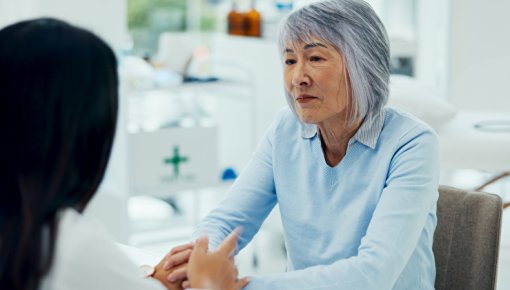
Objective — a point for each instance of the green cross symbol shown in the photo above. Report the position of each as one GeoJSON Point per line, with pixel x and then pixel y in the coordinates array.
{"type": "Point", "coordinates": [176, 160]}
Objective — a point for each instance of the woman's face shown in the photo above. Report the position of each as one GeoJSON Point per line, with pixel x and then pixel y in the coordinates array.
{"type": "Point", "coordinates": [315, 77]}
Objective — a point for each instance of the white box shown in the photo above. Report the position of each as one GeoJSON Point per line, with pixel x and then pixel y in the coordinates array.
{"type": "Point", "coordinates": [167, 160]}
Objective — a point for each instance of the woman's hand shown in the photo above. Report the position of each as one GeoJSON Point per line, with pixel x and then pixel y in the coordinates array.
{"type": "Point", "coordinates": [161, 274]}
{"type": "Point", "coordinates": [178, 255]}
{"type": "Point", "coordinates": [177, 259]}
{"type": "Point", "coordinates": [215, 270]}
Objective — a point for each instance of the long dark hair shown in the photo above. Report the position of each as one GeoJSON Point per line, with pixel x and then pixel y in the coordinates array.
{"type": "Point", "coordinates": [58, 111]}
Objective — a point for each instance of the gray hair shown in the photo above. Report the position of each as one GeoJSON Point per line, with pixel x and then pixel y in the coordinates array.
{"type": "Point", "coordinates": [353, 28]}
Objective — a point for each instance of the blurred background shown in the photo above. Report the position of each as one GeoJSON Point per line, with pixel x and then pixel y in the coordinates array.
{"type": "Point", "coordinates": [201, 81]}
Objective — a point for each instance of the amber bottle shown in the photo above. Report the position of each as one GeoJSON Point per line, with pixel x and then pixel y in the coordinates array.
{"type": "Point", "coordinates": [253, 22]}
{"type": "Point", "coordinates": [236, 21]}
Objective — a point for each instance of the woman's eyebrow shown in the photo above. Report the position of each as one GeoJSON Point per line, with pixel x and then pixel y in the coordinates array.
{"type": "Point", "coordinates": [315, 44]}
{"type": "Point", "coordinates": [307, 46]}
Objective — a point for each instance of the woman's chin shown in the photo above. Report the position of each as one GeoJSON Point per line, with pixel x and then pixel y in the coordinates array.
{"type": "Point", "coordinates": [308, 119]}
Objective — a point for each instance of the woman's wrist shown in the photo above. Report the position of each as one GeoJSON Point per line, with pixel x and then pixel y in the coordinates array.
{"type": "Point", "coordinates": [203, 284]}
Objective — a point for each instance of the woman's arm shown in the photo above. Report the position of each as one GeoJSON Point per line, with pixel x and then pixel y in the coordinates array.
{"type": "Point", "coordinates": [409, 197]}
{"type": "Point", "coordinates": [248, 202]}
{"type": "Point", "coordinates": [250, 199]}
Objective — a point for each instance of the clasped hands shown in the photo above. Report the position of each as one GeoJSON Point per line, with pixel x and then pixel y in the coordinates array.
{"type": "Point", "coordinates": [193, 265]}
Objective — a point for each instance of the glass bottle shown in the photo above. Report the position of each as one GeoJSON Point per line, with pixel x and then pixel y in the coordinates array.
{"type": "Point", "coordinates": [253, 22]}
{"type": "Point", "coordinates": [236, 21]}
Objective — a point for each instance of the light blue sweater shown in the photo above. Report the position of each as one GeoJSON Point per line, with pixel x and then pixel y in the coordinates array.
{"type": "Point", "coordinates": [367, 223]}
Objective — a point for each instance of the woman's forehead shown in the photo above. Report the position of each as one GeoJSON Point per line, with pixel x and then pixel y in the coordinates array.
{"type": "Point", "coordinates": [309, 43]}
{"type": "Point", "coordinates": [306, 43]}
{"type": "Point", "coordinates": [294, 39]}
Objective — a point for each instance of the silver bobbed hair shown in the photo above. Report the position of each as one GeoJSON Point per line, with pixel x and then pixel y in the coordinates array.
{"type": "Point", "coordinates": [353, 28]}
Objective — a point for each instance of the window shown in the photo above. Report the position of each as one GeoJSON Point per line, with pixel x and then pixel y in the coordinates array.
{"type": "Point", "coordinates": [147, 19]}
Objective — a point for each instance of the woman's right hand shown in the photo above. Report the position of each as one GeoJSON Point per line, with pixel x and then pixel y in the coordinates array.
{"type": "Point", "coordinates": [177, 259]}
{"type": "Point", "coordinates": [215, 270]}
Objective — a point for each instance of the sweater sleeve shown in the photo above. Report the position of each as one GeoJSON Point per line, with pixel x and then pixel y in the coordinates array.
{"type": "Point", "coordinates": [407, 199]}
{"type": "Point", "coordinates": [248, 202]}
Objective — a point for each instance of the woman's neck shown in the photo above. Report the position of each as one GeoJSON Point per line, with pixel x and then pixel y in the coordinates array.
{"type": "Point", "coordinates": [335, 135]}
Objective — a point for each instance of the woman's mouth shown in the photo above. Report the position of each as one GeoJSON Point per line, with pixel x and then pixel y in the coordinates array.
{"type": "Point", "coordinates": [303, 99]}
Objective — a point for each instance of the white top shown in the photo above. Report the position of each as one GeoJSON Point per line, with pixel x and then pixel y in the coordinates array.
{"type": "Point", "coordinates": [86, 258]}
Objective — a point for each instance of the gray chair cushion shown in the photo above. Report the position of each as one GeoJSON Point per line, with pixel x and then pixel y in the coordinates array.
{"type": "Point", "coordinates": [466, 241]}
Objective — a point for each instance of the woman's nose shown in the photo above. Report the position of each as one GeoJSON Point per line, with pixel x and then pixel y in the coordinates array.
{"type": "Point", "coordinates": [300, 78]}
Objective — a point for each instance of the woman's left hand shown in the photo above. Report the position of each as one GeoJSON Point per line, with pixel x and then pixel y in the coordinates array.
{"type": "Point", "coordinates": [161, 274]}
{"type": "Point", "coordinates": [215, 270]}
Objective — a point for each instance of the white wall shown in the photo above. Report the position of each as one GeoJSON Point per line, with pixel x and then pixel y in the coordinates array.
{"type": "Point", "coordinates": [107, 18]}
{"type": "Point", "coordinates": [479, 67]}
{"type": "Point", "coordinates": [12, 11]}
{"type": "Point", "coordinates": [432, 43]}
{"type": "Point", "coordinates": [259, 58]}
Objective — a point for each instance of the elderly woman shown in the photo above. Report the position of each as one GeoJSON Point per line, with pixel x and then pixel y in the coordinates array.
{"type": "Point", "coordinates": [356, 182]}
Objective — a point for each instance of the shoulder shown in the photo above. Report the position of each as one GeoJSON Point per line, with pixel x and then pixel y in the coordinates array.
{"type": "Point", "coordinates": [77, 234]}
{"type": "Point", "coordinates": [286, 117]}
{"type": "Point", "coordinates": [82, 245]}
{"type": "Point", "coordinates": [286, 122]}
{"type": "Point", "coordinates": [87, 258]}
{"type": "Point", "coordinates": [401, 127]}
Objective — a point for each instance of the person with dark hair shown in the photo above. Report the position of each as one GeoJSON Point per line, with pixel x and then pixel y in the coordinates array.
{"type": "Point", "coordinates": [58, 111]}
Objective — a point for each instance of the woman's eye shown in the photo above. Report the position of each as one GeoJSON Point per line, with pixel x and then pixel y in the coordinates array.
{"type": "Point", "coordinates": [316, 58]}
{"type": "Point", "coordinates": [289, 61]}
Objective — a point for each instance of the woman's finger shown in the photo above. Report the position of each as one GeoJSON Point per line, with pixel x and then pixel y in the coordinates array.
{"type": "Point", "coordinates": [178, 274]}
{"type": "Point", "coordinates": [229, 245]}
{"type": "Point", "coordinates": [241, 283]}
{"type": "Point", "coordinates": [177, 259]}
{"type": "Point", "coordinates": [188, 246]}
{"type": "Point", "coordinates": [202, 245]}
{"type": "Point", "coordinates": [186, 284]}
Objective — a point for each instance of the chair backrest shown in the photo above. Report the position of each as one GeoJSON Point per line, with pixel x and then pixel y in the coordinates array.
{"type": "Point", "coordinates": [466, 241]}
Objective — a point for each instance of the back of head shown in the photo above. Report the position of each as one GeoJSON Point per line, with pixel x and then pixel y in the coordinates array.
{"type": "Point", "coordinates": [58, 110]}
{"type": "Point", "coordinates": [354, 29]}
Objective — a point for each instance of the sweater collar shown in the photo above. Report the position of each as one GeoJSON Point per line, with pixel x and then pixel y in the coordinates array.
{"type": "Point", "coordinates": [367, 134]}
